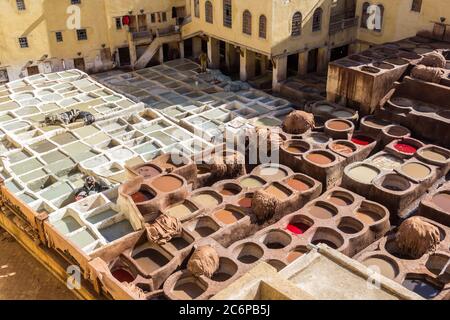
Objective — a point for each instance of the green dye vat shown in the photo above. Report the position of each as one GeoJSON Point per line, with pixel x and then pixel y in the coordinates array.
{"type": "Point", "coordinates": [102, 216]}
{"type": "Point", "coordinates": [53, 156]}
{"type": "Point", "coordinates": [26, 166]}
{"type": "Point", "coordinates": [42, 146]}
{"type": "Point", "coordinates": [66, 225]}
{"type": "Point", "coordinates": [56, 190]}
{"type": "Point", "coordinates": [83, 238]}
{"type": "Point", "coordinates": [64, 138]}
{"type": "Point", "coordinates": [116, 231]}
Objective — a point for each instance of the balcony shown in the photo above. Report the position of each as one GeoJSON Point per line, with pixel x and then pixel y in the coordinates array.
{"type": "Point", "coordinates": [342, 21]}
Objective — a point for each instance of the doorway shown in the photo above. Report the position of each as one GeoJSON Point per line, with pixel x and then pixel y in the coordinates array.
{"type": "Point", "coordinates": [32, 70]}
{"type": "Point", "coordinates": [142, 22]}
{"type": "Point", "coordinates": [79, 64]}
{"type": "Point", "coordinates": [312, 60]}
{"type": "Point", "coordinates": [292, 64]}
{"type": "Point", "coordinates": [339, 52]}
{"type": "Point", "coordinates": [188, 48]}
{"type": "Point", "coordinates": [124, 56]}
{"type": "Point", "coordinates": [133, 27]}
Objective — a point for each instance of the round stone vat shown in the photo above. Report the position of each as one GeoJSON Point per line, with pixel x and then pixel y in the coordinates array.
{"type": "Point", "coordinates": [248, 252]}
{"type": "Point", "coordinates": [276, 239]}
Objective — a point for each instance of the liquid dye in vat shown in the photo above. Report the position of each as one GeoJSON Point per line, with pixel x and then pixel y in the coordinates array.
{"type": "Point", "coordinates": [297, 227]}
{"type": "Point", "coordinates": [381, 266]}
{"type": "Point", "coordinates": [245, 202]}
{"type": "Point", "coordinates": [251, 183]}
{"type": "Point", "coordinates": [277, 192]}
{"type": "Point", "coordinates": [150, 260]}
{"type": "Point", "coordinates": [405, 148]}
{"type": "Point", "coordinates": [367, 216]}
{"type": "Point", "coordinates": [319, 158]}
{"type": "Point", "coordinates": [122, 275]}
{"type": "Point", "coordinates": [148, 171]}
{"type": "Point", "coordinates": [298, 184]}
{"type": "Point", "coordinates": [421, 287]}
{"type": "Point", "coordinates": [321, 212]}
{"type": "Point", "coordinates": [273, 173]}
{"type": "Point", "coordinates": [363, 174]}
{"type": "Point", "coordinates": [432, 155]}
{"type": "Point", "coordinates": [338, 125]}
{"type": "Point", "coordinates": [296, 149]}
{"type": "Point", "coordinates": [226, 191]}
{"type": "Point", "coordinates": [293, 255]}
{"type": "Point", "coordinates": [142, 196]}
{"type": "Point", "coordinates": [227, 216]}
{"type": "Point", "coordinates": [167, 183]}
{"type": "Point", "coordinates": [442, 200]}
{"type": "Point", "coordinates": [206, 200]}
{"type": "Point", "coordinates": [340, 200]}
{"type": "Point", "coordinates": [362, 140]}
{"type": "Point", "coordinates": [416, 170]}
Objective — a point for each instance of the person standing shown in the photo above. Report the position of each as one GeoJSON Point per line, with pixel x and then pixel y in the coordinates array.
{"type": "Point", "coordinates": [203, 62]}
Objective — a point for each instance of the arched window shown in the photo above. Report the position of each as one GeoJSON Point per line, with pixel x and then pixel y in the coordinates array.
{"type": "Point", "coordinates": [296, 24]}
{"type": "Point", "coordinates": [365, 15]}
{"type": "Point", "coordinates": [197, 8]}
{"type": "Point", "coordinates": [247, 22]}
{"type": "Point", "coordinates": [262, 26]}
{"type": "Point", "coordinates": [227, 17]}
{"type": "Point", "coordinates": [209, 12]}
{"type": "Point", "coordinates": [416, 5]}
{"type": "Point", "coordinates": [317, 20]}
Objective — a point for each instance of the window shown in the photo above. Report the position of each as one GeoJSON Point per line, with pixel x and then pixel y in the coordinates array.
{"type": "Point", "coordinates": [75, 1]}
{"type": "Point", "coordinates": [208, 12]}
{"type": "Point", "coordinates": [20, 5]}
{"type": "Point", "coordinates": [153, 18]}
{"type": "Point", "coordinates": [197, 8]}
{"type": "Point", "coordinates": [247, 22]}
{"type": "Point", "coordinates": [262, 26]}
{"type": "Point", "coordinates": [118, 23]}
{"type": "Point", "coordinates": [365, 15]}
{"type": "Point", "coordinates": [164, 16]}
{"type": "Point", "coordinates": [23, 42]}
{"type": "Point", "coordinates": [227, 18]}
{"type": "Point", "coordinates": [317, 20]}
{"type": "Point", "coordinates": [82, 34]}
{"type": "Point", "coordinates": [296, 24]}
{"type": "Point", "coordinates": [416, 5]}
{"type": "Point", "coordinates": [59, 36]}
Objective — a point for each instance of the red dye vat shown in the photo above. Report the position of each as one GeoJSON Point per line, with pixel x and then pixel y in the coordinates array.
{"type": "Point", "coordinates": [362, 140]}
{"type": "Point", "coordinates": [297, 228]}
{"type": "Point", "coordinates": [123, 275]}
{"type": "Point", "coordinates": [142, 196]}
{"type": "Point", "coordinates": [245, 202]}
{"type": "Point", "coordinates": [405, 148]}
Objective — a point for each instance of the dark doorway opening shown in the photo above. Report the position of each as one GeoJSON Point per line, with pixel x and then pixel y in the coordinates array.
{"type": "Point", "coordinates": [79, 64]}
{"type": "Point", "coordinates": [33, 70]}
{"type": "Point", "coordinates": [292, 64]}
{"type": "Point", "coordinates": [339, 52]}
{"type": "Point", "coordinates": [188, 52]}
{"type": "Point", "coordinates": [312, 60]}
{"type": "Point", "coordinates": [124, 56]}
{"type": "Point", "coordinates": [204, 46]}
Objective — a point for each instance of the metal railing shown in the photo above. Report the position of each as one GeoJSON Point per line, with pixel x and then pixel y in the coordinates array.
{"type": "Point", "coordinates": [337, 26]}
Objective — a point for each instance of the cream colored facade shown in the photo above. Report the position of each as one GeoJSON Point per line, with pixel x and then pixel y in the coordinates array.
{"type": "Point", "coordinates": [400, 21]}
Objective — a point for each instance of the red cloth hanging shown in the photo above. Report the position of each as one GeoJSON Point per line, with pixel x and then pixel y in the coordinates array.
{"type": "Point", "coordinates": [126, 20]}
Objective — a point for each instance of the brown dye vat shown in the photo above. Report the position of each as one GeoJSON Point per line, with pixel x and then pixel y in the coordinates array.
{"type": "Point", "coordinates": [416, 170]}
{"type": "Point", "coordinates": [321, 211]}
{"type": "Point", "coordinates": [277, 192]}
{"type": "Point", "coordinates": [187, 291]}
{"type": "Point", "coordinates": [338, 125]}
{"type": "Point", "coordinates": [227, 216]}
{"type": "Point", "coordinates": [142, 196]}
{"type": "Point", "coordinates": [150, 260]}
{"type": "Point", "coordinates": [296, 149]}
{"type": "Point", "coordinates": [398, 131]}
{"type": "Point", "coordinates": [245, 202]}
{"type": "Point", "coordinates": [442, 200]}
{"type": "Point", "coordinates": [293, 255]}
{"type": "Point", "coordinates": [298, 184]}
{"type": "Point", "coordinates": [340, 199]}
{"type": "Point", "coordinates": [148, 171]}
{"type": "Point", "coordinates": [367, 216]}
{"type": "Point", "coordinates": [122, 275]}
{"type": "Point", "coordinates": [167, 183]}
{"type": "Point", "coordinates": [341, 148]}
{"type": "Point", "coordinates": [228, 191]}
{"type": "Point", "coordinates": [319, 158]}
{"type": "Point", "coordinates": [350, 226]}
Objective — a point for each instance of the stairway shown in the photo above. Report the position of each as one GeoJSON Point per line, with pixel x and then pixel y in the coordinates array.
{"type": "Point", "coordinates": [153, 48]}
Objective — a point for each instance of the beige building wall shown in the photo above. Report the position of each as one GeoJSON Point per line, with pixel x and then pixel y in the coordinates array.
{"type": "Point", "coordinates": [400, 22]}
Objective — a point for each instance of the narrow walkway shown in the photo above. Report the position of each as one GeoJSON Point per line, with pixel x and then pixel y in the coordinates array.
{"type": "Point", "coordinates": [23, 278]}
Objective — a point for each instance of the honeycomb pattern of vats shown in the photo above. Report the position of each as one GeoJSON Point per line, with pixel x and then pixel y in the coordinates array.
{"type": "Point", "coordinates": [399, 175]}
{"type": "Point", "coordinates": [202, 103]}
{"type": "Point", "coordinates": [339, 218]}
{"type": "Point", "coordinates": [221, 219]}
{"type": "Point", "coordinates": [428, 276]}
{"type": "Point", "coordinates": [436, 205]}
